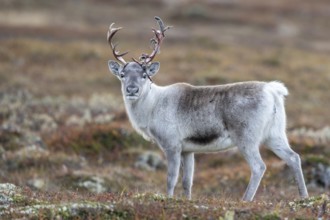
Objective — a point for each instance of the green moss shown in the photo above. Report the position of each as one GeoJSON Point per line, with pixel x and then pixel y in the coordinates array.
{"type": "Point", "coordinates": [100, 141]}
{"type": "Point", "coordinates": [19, 199]}
{"type": "Point", "coordinates": [271, 216]}
{"type": "Point", "coordinates": [271, 62]}
{"type": "Point", "coordinates": [10, 140]}
{"type": "Point", "coordinates": [315, 159]}
{"type": "Point", "coordinates": [309, 202]}
{"type": "Point", "coordinates": [229, 215]}
{"type": "Point", "coordinates": [150, 196]}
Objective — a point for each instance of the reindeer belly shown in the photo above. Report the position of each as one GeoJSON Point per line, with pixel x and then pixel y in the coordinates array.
{"type": "Point", "coordinates": [207, 142]}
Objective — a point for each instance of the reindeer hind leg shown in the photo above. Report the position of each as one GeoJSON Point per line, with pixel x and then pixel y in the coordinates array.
{"type": "Point", "coordinates": [252, 156]}
{"type": "Point", "coordinates": [280, 146]}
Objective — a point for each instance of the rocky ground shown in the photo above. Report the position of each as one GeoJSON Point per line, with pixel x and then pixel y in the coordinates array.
{"type": "Point", "coordinates": [17, 202]}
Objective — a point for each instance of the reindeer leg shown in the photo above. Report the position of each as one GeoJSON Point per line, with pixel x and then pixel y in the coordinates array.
{"type": "Point", "coordinates": [252, 155]}
{"type": "Point", "coordinates": [281, 147]}
{"type": "Point", "coordinates": [173, 169]}
{"type": "Point", "coordinates": [188, 173]}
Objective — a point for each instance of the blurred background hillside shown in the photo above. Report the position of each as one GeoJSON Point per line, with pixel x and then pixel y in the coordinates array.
{"type": "Point", "coordinates": [63, 123]}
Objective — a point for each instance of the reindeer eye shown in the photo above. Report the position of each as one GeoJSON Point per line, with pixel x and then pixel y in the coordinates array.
{"type": "Point", "coordinates": [122, 75]}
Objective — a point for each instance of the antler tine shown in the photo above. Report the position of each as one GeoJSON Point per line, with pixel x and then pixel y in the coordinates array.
{"type": "Point", "coordinates": [161, 25]}
{"type": "Point", "coordinates": [159, 36]}
{"type": "Point", "coordinates": [156, 42]}
{"type": "Point", "coordinates": [111, 32]}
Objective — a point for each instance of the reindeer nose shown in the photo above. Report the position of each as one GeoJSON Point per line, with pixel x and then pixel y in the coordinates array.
{"type": "Point", "coordinates": [132, 89]}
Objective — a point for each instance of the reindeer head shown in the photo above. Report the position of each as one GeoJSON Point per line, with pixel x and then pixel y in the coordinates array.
{"type": "Point", "coordinates": [135, 76]}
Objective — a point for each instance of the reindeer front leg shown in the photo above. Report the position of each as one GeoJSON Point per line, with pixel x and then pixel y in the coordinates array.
{"type": "Point", "coordinates": [173, 168]}
{"type": "Point", "coordinates": [188, 173]}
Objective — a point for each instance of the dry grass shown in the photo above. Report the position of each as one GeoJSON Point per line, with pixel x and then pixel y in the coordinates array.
{"type": "Point", "coordinates": [151, 206]}
{"type": "Point", "coordinates": [81, 68]}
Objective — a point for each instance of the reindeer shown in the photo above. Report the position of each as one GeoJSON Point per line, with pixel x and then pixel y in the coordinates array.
{"type": "Point", "coordinates": [184, 119]}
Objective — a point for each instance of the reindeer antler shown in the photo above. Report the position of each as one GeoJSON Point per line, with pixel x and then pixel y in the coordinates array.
{"type": "Point", "coordinates": [156, 42]}
{"type": "Point", "coordinates": [111, 32]}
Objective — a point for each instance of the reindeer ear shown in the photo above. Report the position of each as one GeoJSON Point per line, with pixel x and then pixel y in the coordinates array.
{"type": "Point", "coordinates": [114, 67]}
{"type": "Point", "coordinates": [153, 68]}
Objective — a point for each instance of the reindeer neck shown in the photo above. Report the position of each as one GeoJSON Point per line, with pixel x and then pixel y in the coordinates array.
{"type": "Point", "coordinates": [140, 111]}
